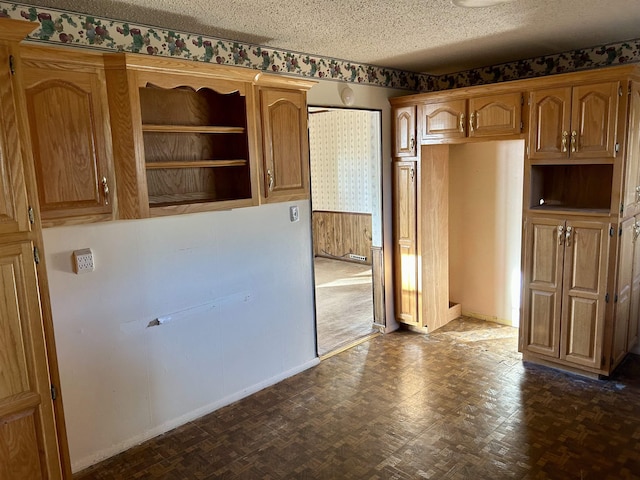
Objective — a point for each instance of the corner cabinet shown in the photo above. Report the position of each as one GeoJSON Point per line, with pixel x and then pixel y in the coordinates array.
{"type": "Point", "coordinates": [70, 136]}
{"type": "Point", "coordinates": [285, 149]}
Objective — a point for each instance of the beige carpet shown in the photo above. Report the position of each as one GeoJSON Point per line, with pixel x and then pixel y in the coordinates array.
{"type": "Point", "coordinates": [344, 302]}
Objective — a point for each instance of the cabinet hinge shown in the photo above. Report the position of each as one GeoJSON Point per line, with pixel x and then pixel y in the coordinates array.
{"type": "Point", "coordinates": [32, 217]}
{"type": "Point", "coordinates": [36, 255]}
{"type": "Point", "coordinates": [521, 99]}
{"type": "Point", "coordinates": [521, 125]}
{"type": "Point", "coordinates": [615, 298]}
{"type": "Point", "coordinates": [11, 66]}
{"type": "Point", "coordinates": [617, 147]}
{"type": "Point", "coordinates": [620, 91]}
{"type": "Point", "coordinates": [606, 298]}
{"type": "Point", "coordinates": [611, 231]}
{"type": "Point", "coordinates": [54, 392]}
{"type": "Point", "coordinates": [621, 208]}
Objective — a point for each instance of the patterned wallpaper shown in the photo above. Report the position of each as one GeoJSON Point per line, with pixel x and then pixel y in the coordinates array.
{"type": "Point", "coordinates": [58, 26]}
{"type": "Point", "coordinates": [344, 147]}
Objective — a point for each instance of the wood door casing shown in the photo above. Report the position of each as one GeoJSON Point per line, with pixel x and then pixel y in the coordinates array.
{"type": "Point", "coordinates": [550, 120]}
{"type": "Point", "coordinates": [594, 118]}
{"type": "Point", "coordinates": [493, 115]}
{"type": "Point", "coordinates": [443, 120]}
{"type": "Point", "coordinates": [69, 133]}
{"type": "Point", "coordinates": [405, 131]}
{"type": "Point", "coordinates": [405, 242]}
{"type": "Point", "coordinates": [285, 139]}
{"type": "Point", "coordinates": [583, 293]}
{"type": "Point", "coordinates": [544, 256]}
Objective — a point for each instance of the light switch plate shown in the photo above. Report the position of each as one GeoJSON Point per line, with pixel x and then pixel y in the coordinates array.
{"type": "Point", "coordinates": [294, 213]}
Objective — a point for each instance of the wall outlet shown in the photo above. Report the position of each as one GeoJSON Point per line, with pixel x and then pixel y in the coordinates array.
{"type": "Point", "coordinates": [83, 261]}
{"type": "Point", "coordinates": [294, 214]}
{"type": "Point", "coordinates": [361, 258]}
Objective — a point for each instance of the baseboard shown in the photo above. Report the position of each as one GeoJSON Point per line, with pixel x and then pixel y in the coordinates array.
{"type": "Point", "coordinates": [487, 318]}
{"type": "Point", "coordinates": [188, 417]}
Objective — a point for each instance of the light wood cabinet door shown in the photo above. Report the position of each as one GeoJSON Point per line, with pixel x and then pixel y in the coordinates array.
{"type": "Point", "coordinates": [285, 145]}
{"type": "Point", "coordinates": [405, 242]}
{"type": "Point", "coordinates": [550, 124]}
{"type": "Point", "coordinates": [13, 195]}
{"type": "Point", "coordinates": [28, 443]}
{"type": "Point", "coordinates": [634, 303]}
{"type": "Point", "coordinates": [544, 255]}
{"type": "Point", "coordinates": [583, 295]}
{"type": "Point", "coordinates": [443, 120]}
{"type": "Point", "coordinates": [70, 140]}
{"type": "Point", "coordinates": [621, 327]}
{"type": "Point", "coordinates": [495, 115]}
{"type": "Point", "coordinates": [404, 131]}
{"type": "Point", "coordinates": [593, 120]}
{"type": "Point", "coordinates": [631, 192]}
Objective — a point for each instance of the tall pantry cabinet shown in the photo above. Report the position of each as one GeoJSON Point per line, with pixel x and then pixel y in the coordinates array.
{"type": "Point", "coordinates": [580, 277]}
{"type": "Point", "coordinates": [31, 446]}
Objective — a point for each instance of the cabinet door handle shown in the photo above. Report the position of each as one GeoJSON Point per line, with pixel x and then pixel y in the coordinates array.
{"type": "Point", "coordinates": [412, 173]}
{"type": "Point", "coordinates": [462, 117]}
{"type": "Point", "coordinates": [565, 134]}
{"type": "Point", "coordinates": [574, 141]}
{"type": "Point", "coordinates": [413, 143]}
{"type": "Point", "coordinates": [105, 189]}
{"type": "Point", "coordinates": [270, 180]}
{"type": "Point", "coordinates": [472, 119]}
{"type": "Point", "coordinates": [567, 235]}
{"type": "Point", "coordinates": [560, 234]}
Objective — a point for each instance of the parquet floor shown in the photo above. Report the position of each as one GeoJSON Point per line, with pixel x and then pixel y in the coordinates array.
{"type": "Point", "coordinates": [455, 404]}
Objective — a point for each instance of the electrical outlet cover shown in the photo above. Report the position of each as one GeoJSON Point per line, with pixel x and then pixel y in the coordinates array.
{"type": "Point", "coordinates": [83, 261]}
{"type": "Point", "coordinates": [294, 213]}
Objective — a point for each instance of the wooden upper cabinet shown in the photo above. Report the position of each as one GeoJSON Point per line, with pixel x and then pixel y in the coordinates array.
{"type": "Point", "coordinates": [631, 192]}
{"type": "Point", "coordinates": [13, 196]}
{"type": "Point", "coordinates": [493, 115]}
{"type": "Point", "coordinates": [404, 131]}
{"type": "Point", "coordinates": [70, 135]}
{"type": "Point", "coordinates": [285, 140]}
{"type": "Point", "coordinates": [443, 120]}
{"type": "Point", "coordinates": [574, 123]}
{"type": "Point", "coordinates": [479, 116]}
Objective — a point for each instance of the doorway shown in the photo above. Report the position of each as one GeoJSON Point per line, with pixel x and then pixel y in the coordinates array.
{"type": "Point", "coordinates": [345, 152]}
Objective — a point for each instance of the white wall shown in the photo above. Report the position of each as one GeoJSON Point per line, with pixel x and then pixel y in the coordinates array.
{"type": "Point", "coordinates": [485, 228]}
{"type": "Point", "coordinates": [248, 272]}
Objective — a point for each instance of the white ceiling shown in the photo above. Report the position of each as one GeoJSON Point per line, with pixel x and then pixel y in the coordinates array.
{"type": "Point", "coordinates": [430, 36]}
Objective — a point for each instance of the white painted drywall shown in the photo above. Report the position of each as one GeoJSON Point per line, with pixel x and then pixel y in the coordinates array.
{"type": "Point", "coordinates": [485, 228]}
{"type": "Point", "coordinates": [248, 272]}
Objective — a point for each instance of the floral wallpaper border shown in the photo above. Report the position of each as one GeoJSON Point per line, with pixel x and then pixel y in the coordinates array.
{"type": "Point", "coordinates": [58, 26]}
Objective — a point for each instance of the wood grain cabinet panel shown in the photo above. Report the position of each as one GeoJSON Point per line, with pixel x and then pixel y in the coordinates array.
{"type": "Point", "coordinates": [494, 115]}
{"type": "Point", "coordinates": [574, 122]}
{"type": "Point", "coordinates": [443, 120]}
{"type": "Point", "coordinates": [285, 145]}
{"type": "Point", "coordinates": [634, 302]}
{"type": "Point", "coordinates": [71, 139]}
{"type": "Point", "coordinates": [404, 131]}
{"type": "Point", "coordinates": [622, 330]}
{"type": "Point", "coordinates": [631, 191]}
{"type": "Point", "coordinates": [405, 242]}
{"type": "Point", "coordinates": [565, 287]}
{"type": "Point", "coordinates": [13, 195]}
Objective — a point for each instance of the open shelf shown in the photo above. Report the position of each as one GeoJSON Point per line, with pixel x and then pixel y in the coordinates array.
{"type": "Point", "coordinates": [195, 145]}
{"type": "Point", "coordinates": [571, 188]}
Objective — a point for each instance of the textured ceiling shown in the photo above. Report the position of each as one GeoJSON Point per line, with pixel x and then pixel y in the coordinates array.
{"type": "Point", "coordinates": [430, 36]}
